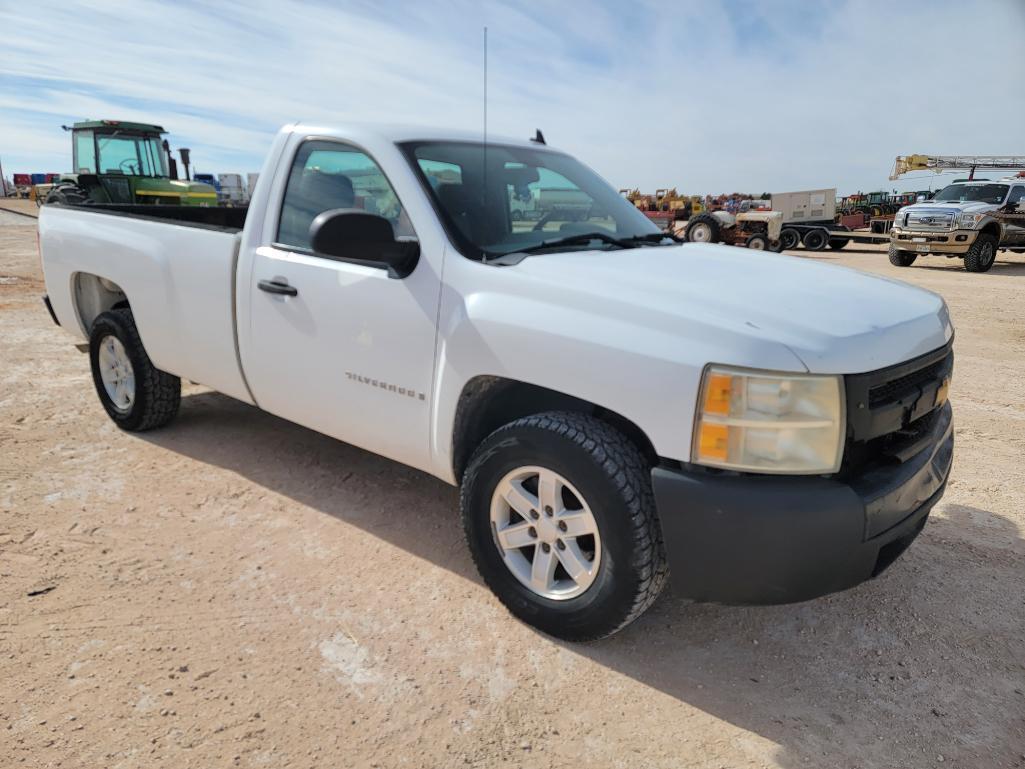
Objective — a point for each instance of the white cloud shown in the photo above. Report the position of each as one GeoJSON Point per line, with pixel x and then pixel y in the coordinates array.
{"type": "Point", "coordinates": [701, 96]}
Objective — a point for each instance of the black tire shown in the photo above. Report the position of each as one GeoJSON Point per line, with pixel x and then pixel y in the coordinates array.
{"type": "Point", "coordinates": [815, 240]}
{"type": "Point", "coordinates": [612, 475]}
{"type": "Point", "coordinates": [157, 394]}
{"type": "Point", "coordinates": [68, 194]}
{"type": "Point", "coordinates": [901, 258]}
{"type": "Point", "coordinates": [699, 222]}
{"type": "Point", "coordinates": [982, 253]}
{"type": "Point", "coordinates": [837, 243]}
{"type": "Point", "coordinates": [758, 243]}
{"type": "Point", "coordinates": [789, 239]}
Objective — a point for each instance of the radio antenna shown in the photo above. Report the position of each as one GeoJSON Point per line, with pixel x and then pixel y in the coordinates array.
{"type": "Point", "coordinates": [484, 164]}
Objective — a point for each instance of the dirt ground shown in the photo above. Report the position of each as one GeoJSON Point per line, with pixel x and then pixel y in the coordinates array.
{"type": "Point", "coordinates": [238, 591]}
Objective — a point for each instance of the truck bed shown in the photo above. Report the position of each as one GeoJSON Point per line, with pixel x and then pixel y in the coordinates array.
{"type": "Point", "coordinates": [177, 263]}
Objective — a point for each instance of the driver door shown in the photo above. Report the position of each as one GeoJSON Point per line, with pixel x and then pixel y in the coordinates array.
{"type": "Point", "coordinates": [336, 346]}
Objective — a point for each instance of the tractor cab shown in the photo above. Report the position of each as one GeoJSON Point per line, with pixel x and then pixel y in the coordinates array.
{"type": "Point", "coordinates": [120, 162]}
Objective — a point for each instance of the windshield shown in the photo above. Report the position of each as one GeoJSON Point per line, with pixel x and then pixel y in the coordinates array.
{"type": "Point", "coordinates": [972, 193]}
{"type": "Point", "coordinates": [521, 197]}
{"type": "Point", "coordinates": [130, 155]}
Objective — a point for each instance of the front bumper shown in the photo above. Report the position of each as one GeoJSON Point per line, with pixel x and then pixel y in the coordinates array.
{"type": "Point", "coordinates": [759, 539]}
{"type": "Point", "coordinates": [950, 242]}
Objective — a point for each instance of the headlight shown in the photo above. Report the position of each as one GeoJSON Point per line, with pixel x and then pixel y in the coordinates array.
{"type": "Point", "coordinates": [769, 423]}
{"type": "Point", "coordinates": [968, 221]}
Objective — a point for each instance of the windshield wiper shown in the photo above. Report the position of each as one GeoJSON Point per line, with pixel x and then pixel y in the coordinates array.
{"type": "Point", "coordinates": [577, 239]}
{"type": "Point", "coordinates": [654, 238]}
{"type": "Point", "coordinates": [583, 238]}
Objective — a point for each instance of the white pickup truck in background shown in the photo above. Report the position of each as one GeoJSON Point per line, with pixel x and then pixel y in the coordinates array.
{"type": "Point", "coordinates": [613, 404]}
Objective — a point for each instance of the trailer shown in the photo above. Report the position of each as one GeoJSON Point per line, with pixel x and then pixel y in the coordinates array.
{"type": "Point", "coordinates": [810, 219]}
{"type": "Point", "coordinates": [835, 235]}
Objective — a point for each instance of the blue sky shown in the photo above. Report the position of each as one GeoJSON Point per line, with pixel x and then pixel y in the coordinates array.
{"type": "Point", "coordinates": [749, 95]}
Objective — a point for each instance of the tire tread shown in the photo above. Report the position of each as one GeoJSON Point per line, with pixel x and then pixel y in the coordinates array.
{"type": "Point", "coordinates": [622, 463]}
{"type": "Point", "coordinates": [157, 392]}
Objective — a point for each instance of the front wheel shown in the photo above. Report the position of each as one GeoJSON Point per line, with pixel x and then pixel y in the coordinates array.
{"type": "Point", "coordinates": [981, 255]}
{"type": "Point", "coordinates": [560, 519]}
{"type": "Point", "coordinates": [758, 243]}
{"type": "Point", "coordinates": [135, 394]}
{"type": "Point", "coordinates": [900, 258]}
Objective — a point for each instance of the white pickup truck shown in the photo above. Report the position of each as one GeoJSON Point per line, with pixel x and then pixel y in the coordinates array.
{"type": "Point", "coordinates": [614, 405]}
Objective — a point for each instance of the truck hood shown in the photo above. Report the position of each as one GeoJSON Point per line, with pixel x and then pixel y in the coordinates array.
{"type": "Point", "coordinates": [971, 207]}
{"type": "Point", "coordinates": [833, 319]}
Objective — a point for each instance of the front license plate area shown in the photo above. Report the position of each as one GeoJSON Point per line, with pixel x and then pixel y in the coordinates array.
{"type": "Point", "coordinates": [922, 249]}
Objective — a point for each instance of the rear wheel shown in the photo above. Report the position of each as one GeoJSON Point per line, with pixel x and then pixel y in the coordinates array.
{"type": "Point", "coordinates": [901, 258]}
{"type": "Point", "coordinates": [68, 194]}
{"type": "Point", "coordinates": [703, 228]}
{"type": "Point", "coordinates": [982, 254]}
{"type": "Point", "coordinates": [560, 519]}
{"type": "Point", "coordinates": [135, 394]}
{"type": "Point", "coordinates": [815, 240]}
{"type": "Point", "coordinates": [790, 239]}
{"type": "Point", "coordinates": [837, 243]}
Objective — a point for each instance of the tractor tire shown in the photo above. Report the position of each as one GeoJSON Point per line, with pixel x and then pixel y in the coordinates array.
{"type": "Point", "coordinates": [901, 258]}
{"type": "Point", "coordinates": [837, 243]}
{"type": "Point", "coordinates": [789, 239]}
{"type": "Point", "coordinates": [815, 240]}
{"type": "Point", "coordinates": [136, 395]}
{"type": "Point", "coordinates": [757, 243]}
{"type": "Point", "coordinates": [703, 228]}
{"type": "Point", "coordinates": [982, 254]}
{"type": "Point", "coordinates": [68, 195]}
{"type": "Point", "coordinates": [579, 563]}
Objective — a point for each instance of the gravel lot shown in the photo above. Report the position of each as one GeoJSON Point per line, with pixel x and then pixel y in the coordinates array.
{"type": "Point", "coordinates": [238, 591]}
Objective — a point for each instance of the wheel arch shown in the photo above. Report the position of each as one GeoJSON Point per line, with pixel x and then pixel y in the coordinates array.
{"type": "Point", "coordinates": [488, 402]}
{"type": "Point", "coordinates": [992, 228]}
{"type": "Point", "coordinates": [92, 295]}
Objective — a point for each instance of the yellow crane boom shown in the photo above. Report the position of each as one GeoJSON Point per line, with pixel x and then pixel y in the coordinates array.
{"type": "Point", "coordinates": [939, 163]}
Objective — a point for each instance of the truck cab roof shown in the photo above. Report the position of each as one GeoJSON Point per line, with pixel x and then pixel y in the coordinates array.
{"type": "Point", "coordinates": [401, 134]}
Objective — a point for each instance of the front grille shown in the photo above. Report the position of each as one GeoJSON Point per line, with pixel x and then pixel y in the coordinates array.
{"type": "Point", "coordinates": [891, 390]}
{"type": "Point", "coordinates": [931, 220]}
{"type": "Point", "coordinates": [892, 410]}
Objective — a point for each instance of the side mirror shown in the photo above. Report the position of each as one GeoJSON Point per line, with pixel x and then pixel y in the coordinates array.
{"type": "Point", "coordinates": [356, 236]}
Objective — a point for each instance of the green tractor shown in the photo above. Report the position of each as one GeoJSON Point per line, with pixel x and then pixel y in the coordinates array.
{"type": "Point", "coordinates": [126, 163]}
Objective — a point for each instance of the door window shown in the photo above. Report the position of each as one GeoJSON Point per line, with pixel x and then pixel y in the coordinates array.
{"type": "Point", "coordinates": [85, 153]}
{"type": "Point", "coordinates": [328, 175]}
{"type": "Point", "coordinates": [1017, 193]}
